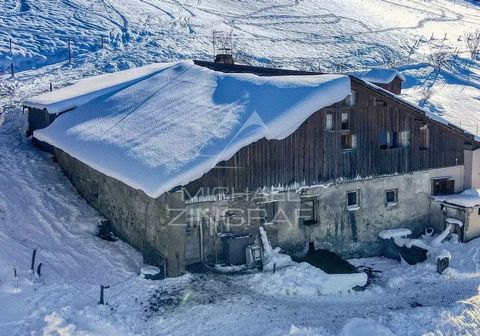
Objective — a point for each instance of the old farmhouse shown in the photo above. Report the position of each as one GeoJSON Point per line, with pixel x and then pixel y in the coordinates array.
{"type": "Point", "coordinates": [184, 157]}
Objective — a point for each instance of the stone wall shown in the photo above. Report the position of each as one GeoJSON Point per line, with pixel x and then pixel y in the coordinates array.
{"type": "Point", "coordinates": [348, 232]}
{"type": "Point", "coordinates": [156, 227]}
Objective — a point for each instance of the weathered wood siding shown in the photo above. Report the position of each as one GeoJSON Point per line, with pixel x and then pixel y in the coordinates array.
{"type": "Point", "coordinates": [312, 155]}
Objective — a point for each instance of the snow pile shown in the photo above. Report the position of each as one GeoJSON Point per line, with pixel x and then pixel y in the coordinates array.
{"type": "Point", "coordinates": [382, 75]}
{"type": "Point", "coordinates": [299, 279]}
{"type": "Point", "coordinates": [176, 125]}
{"type": "Point", "coordinates": [467, 198]}
{"type": "Point", "coordinates": [364, 327]}
{"type": "Point", "coordinates": [87, 89]}
{"type": "Point", "coordinates": [393, 233]}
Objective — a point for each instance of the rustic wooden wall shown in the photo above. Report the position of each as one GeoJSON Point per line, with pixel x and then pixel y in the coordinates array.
{"type": "Point", "coordinates": [313, 155]}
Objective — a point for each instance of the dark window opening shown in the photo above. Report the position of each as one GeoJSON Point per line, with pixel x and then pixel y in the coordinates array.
{"type": "Point", "coordinates": [391, 196]}
{"type": "Point", "coordinates": [345, 121]}
{"type": "Point", "coordinates": [443, 186]}
{"type": "Point", "coordinates": [307, 212]}
{"type": "Point", "coordinates": [270, 209]}
{"type": "Point", "coordinates": [352, 198]}
{"type": "Point", "coordinates": [424, 141]}
{"type": "Point", "coordinates": [349, 141]}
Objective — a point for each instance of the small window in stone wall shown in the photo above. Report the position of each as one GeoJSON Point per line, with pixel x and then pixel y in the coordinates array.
{"type": "Point", "coordinates": [478, 211]}
{"type": "Point", "coordinates": [391, 197]}
{"type": "Point", "coordinates": [443, 186]}
{"type": "Point", "coordinates": [270, 210]}
{"type": "Point", "coordinates": [308, 212]}
{"type": "Point", "coordinates": [353, 202]}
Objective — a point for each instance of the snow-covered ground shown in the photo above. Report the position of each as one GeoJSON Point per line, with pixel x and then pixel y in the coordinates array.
{"type": "Point", "coordinates": [39, 208]}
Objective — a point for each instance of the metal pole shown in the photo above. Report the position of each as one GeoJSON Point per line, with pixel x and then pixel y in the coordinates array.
{"type": "Point", "coordinates": [102, 294]}
{"type": "Point", "coordinates": [102, 42]}
{"type": "Point", "coordinates": [10, 45]}
{"type": "Point", "coordinates": [51, 87]}
{"type": "Point", "coordinates": [11, 69]}
{"type": "Point", "coordinates": [69, 52]}
{"type": "Point", "coordinates": [32, 266]}
{"type": "Point", "coordinates": [39, 270]}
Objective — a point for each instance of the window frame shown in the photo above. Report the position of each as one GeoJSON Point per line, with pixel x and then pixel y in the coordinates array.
{"type": "Point", "coordinates": [447, 186]}
{"type": "Point", "coordinates": [352, 143]}
{"type": "Point", "coordinates": [424, 137]}
{"type": "Point", "coordinates": [313, 216]}
{"type": "Point", "coordinates": [395, 197]}
{"type": "Point", "coordinates": [356, 206]}
{"type": "Point", "coordinates": [327, 115]}
{"type": "Point", "coordinates": [345, 121]}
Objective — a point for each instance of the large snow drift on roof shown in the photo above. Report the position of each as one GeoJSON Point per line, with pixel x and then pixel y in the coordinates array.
{"type": "Point", "coordinates": [88, 89]}
{"type": "Point", "coordinates": [382, 75]}
{"type": "Point", "coordinates": [173, 127]}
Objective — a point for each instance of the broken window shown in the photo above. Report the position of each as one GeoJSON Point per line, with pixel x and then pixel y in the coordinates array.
{"type": "Point", "coordinates": [345, 121]}
{"type": "Point", "coordinates": [391, 196]}
{"type": "Point", "coordinates": [349, 141]}
{"type": "Point", "coordinates": [329, 121]}
{"type": "Point", "coordinates": [424, 140]}
{"type": "Point", "coordinates": [443, 186]}
{"type": "Point", "coordinates": [307, 211]}
{"type": "Point", "coordinates": [352, 199]}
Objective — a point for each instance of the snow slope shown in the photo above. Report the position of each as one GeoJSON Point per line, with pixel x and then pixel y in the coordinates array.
{"type": "Point", "coordinates": [171, 128]}
{"type": "Point", "coordinates": [39, 208]}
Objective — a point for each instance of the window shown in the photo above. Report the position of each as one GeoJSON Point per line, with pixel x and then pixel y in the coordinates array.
{"type": "Point", "coordinates": [345, 121]}
{"type": "Point", "coordinates": [329, 121]}
{"type": "Point", "coordinates": [270, 211]}
{"type": "Point", "coordinates": [391, 197]}
{"type": "Point", "coordinates": [349, 141]}
{"type": "Point", "coordinates": [443, 186]}
{"type": "Point", "coordinates": [352, 200]}
{"type": "Point", "coordinates": [351, 99]}
{"type": "Point", "coordinates": [424, 137]}
{"type": "Point", "coordinates": [389, 140]}
{"type": "Point", "coordinates": [307, 211]}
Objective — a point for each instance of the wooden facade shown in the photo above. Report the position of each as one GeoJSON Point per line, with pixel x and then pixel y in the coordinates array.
{"type": "Point", "coordinates": [313, 154]}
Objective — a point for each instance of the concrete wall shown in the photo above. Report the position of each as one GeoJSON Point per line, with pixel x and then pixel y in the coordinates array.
{"type": "Point", "coordinates": [471, 228]}
{"type": "Point", "coordinates": [472, 168]}
{"type": "Point", "coordinates": [155, 227]}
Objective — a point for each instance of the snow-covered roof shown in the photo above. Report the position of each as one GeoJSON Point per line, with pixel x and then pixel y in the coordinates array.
{"type": "Point", "coordinates": [84, 90]}
{"type": "Point", "coordinates": [468, 198]}
{"type": "Point", "coordinates": [382, 75]}
{"type": "Point", "coordinates": [173, 127]}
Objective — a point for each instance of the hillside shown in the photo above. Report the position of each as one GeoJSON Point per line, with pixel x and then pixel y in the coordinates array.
{"type": "Point", "coordinates": [40, 209]}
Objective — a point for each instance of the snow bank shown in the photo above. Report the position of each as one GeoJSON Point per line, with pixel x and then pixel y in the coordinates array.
{"type": "Point", "coordinates": [176, 125]}
{"type": "Point", "coordinates": [303, 279]}
{"type": "Point", "coordinates": [87, 89]}
{"type": "Point", "coordinates": [392, 233]}
{"type": "Point", "coordinates": [364, 327]}
{"type": "Point", "coordinates": [382, 75]}
{"type": "Point", "coordinates": [468, 198]}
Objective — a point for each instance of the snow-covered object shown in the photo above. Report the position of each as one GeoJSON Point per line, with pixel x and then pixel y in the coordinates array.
{"type": "Point", "coordinates": [454, 221]}
{"type": "Point", "coordinates": [176, 125]}
{"type": "Point", "coordinates": [443, 254]}
{"type": "Point", "coordinates": [441, 237]}
{"type": "Point", "coordinates": [382, 75]}
{"type": "Point", "coordinates": [150, 270]}
{"type": "Point", "coordinates": [87, 89]}
{"type": "Point", "coordinates": [267, 247]}
{"type": "Point", "coordinates": [392, 233]}
{"type": "Point", "coordinates": [467, 198]}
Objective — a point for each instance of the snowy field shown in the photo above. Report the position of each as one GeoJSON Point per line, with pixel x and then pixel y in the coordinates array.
{"type": "Point", "coordinates": [40, 209]}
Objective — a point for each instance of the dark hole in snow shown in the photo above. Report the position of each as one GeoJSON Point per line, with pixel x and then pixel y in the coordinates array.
{"type": "Point", "coordinates": [327, 261]}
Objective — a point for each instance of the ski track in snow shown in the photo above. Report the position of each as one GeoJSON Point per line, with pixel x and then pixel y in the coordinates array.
{"type": "Point", "coordinates": [40, 208]}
